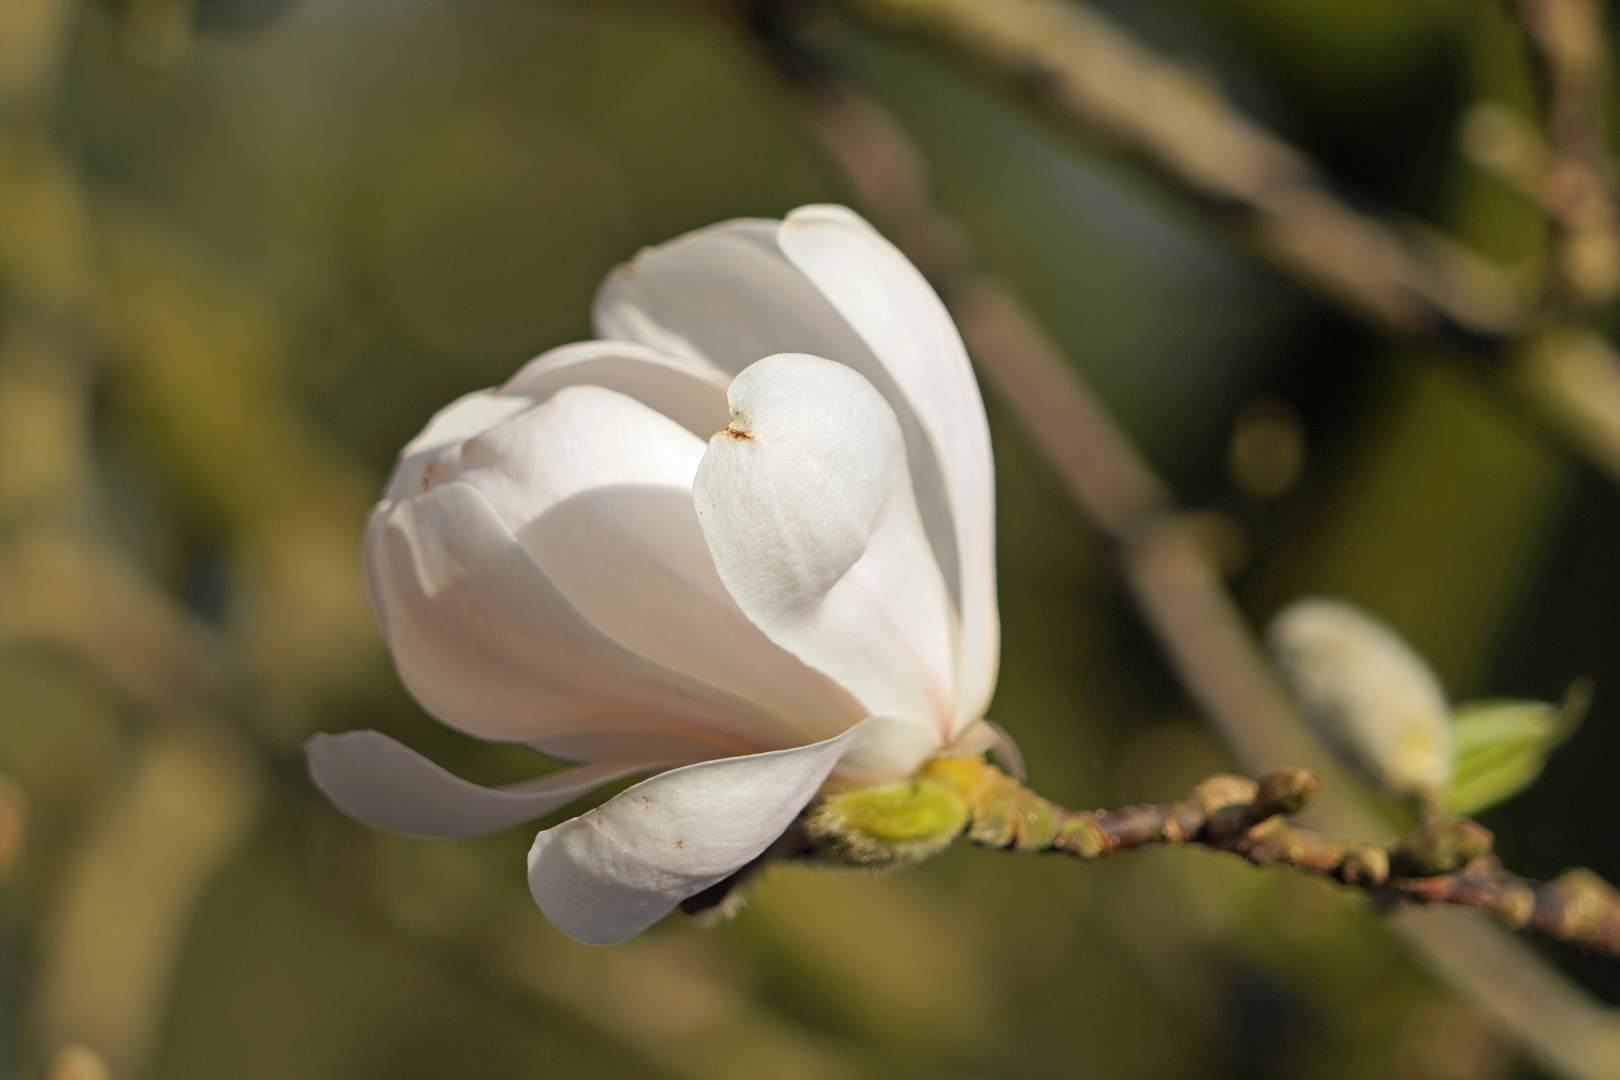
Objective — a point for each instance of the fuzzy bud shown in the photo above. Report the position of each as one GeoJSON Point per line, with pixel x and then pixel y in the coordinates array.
{"type": "Point", "coordinates": [1368, 694]}
{"type": "Point", "coordinates": [888, 826]}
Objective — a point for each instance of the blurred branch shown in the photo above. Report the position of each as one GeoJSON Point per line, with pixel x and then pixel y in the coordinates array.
{"type": "Point", "coordinates": [1175, 120]}
{"type": "Point", "coordinates": [661, 999]}
{"type": "Point", "coordinates": [131, 891]}
{"type": "Point", "coordinates": [67, 593]}
{"type": "Point", "coordinates": [76, 1061]}
{"type": "Point", "coordinates": [1411, 284]}
{"type": "Point", "coordinates": [1176, 586]}
{"type": "Point", "coordinates": [1567, 39]}
{"type": "Point", "coordinates": [189, 796]}
{"type": "Point", "coordinates": [1447, 861]}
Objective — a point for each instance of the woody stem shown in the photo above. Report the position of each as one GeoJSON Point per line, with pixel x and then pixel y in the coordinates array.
{"type": "Point", "coordinates": [1447, 861]}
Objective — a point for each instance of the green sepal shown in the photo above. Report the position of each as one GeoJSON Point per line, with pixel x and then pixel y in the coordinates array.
{"type": "Point", "coordinates": [1501, 746]}
{"type": "Point", "coordinates": [898, 823]}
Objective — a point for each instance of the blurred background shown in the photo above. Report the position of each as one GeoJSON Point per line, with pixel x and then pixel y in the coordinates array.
{"type": "Point", "coordinates": [247, 247]}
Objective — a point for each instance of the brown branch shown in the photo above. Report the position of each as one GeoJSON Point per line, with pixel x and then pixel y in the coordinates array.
{"type": "Point", "coordinates": [1408, 283]}
{"type": "Point", "coordinates": [1174, 120]}
{"type": "Point", "coordinates": [1447, 861]}
{"type": "Point", "coordinates": [1178, 590]}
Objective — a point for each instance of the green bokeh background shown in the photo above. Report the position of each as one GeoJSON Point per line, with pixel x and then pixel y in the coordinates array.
{"type": "Point", "coordinates": [247, 248]}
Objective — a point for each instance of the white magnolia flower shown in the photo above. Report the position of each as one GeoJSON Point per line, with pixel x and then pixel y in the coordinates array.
{"type": "Point", "coordinates": [744, 543]}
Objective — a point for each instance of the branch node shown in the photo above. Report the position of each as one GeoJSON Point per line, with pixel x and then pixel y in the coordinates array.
{"type": "Point", "coordinates": [1365, 866]}
{"type": "Point", "coordinates": [1440, 847]}
{"type": "Point", "coordinates": [1285, 792]}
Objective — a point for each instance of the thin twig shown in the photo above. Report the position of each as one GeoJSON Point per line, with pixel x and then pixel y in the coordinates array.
{"type": "Point", "coordinates": [1578, 192]}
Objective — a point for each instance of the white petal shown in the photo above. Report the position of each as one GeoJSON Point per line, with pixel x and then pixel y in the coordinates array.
{"type": "Point", "coordinates": [634, 561]}
{"type": "Point", "coordinates": [597, 489]}
{"type": "Point", "coordinates": [469, 415]}
{"type": "Point", "coordinates": [807, 507]}
{"type": "Point", "coordinates": [891, 306]}
{"type": "Point", "coordinates": [723, 297]}
{"type": "Point", "coordinates": [584, 437]}
{"type": "Point", "coordinates": [727, 296]}
{"type": "Point", "coordinates": [386, 785]}
{"type": "Point", "coordinates": [1005, 752]}
{"type": "Point", "coordinates": [692, 394]}
{"type": "Point", "coordinates": [610, 873]}
{"type": "Point", "coordinates": [488, 644]}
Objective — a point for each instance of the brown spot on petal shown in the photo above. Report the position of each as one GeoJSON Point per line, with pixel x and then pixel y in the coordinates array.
{"type": "Point", "coordinates": [735, 432]}
{"type": "Point", "coordinates": [680, 843]}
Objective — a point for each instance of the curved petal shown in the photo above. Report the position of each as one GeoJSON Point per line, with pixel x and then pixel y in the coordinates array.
{"type": "Point", "coordinates": [634, 561]}
{"type": "Point", "coordinates": [469, 415]}
{"type": "Point", "coordinates": [610, 873]}
{"type": "Point", "coordinates": [897, 314]}
{"type": "Point", "coordinates": [727, 296]}
{"type": "Point", "coordinates": [721, 297]}
{"type": "Point", "coordinates": [807, 507]}
{"type": "Point", "coordinates": [691, 393]}
{"type": "Point", "coordinates": [387, 785]}
{"type": "Point", "coordinates": [488, 644]}
{"type": "Point", "coordinates": [584, 437]}
{"type": "Point", "coordinates": [598, 489]}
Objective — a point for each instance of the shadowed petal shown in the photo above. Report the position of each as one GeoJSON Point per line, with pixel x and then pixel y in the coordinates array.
{"type": "Point", "coordinates": [387, 785]}
{"type": "Point", "coordinates": [727, 296]}
{"type": "Point", "coordinates": [807, 507]}
{"type": "Point", "coordinates": [897, 314]}
{"type": "Point", "coordinates": [690, 393]}
{"type": "Point", "coordinates": [488, 644]}
{"type": "Point", "coordinates": [441, 440]}
{"type": "Point", "coordinates": [598, 489]}
{"type": "Point", "coordinates": [610, 873]}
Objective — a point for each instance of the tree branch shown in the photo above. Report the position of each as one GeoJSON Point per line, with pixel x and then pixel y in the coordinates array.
{"type": "Point", "coordinates": [1447, 861]}
{"type": "Point", "coordinates": [1174, 120]}
{"type": "Point", "coordinates": [1577, 190]}
{"type": "Point", "coordinates": [1409, 284]}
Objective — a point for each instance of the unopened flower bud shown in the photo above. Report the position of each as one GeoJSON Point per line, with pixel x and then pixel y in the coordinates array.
{"type": "Point", "coordinates": [1368, 693]}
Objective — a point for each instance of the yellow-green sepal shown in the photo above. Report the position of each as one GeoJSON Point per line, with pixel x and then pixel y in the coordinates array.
{"type": "Point", "coordinates": [1501, 746]}
{"type": "Point", "coordinates": [896, 823]}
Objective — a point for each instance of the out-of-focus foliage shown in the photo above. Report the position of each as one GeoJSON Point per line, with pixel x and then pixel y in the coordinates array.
{"type": "Point", "coordinates": [1502, 746]}
{"type": "Point", "coordinates": [247, 247]}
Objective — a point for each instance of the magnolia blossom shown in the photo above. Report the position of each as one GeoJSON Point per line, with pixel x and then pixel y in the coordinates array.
{"type": "Point", "coordinates": [743, 543]}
